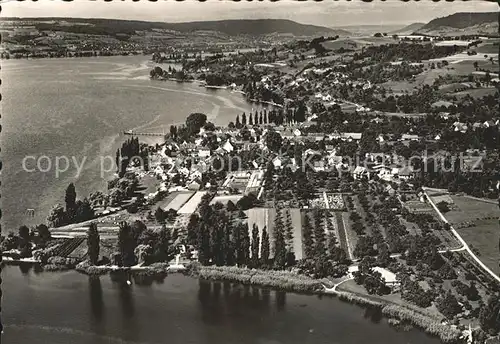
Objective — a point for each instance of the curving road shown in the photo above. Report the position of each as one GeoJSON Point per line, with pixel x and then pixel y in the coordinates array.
{"type": "Point", "coordinates": [461, 240]}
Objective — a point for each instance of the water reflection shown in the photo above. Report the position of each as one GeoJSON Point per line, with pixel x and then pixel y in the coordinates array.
{"type": "Point", "coordinates": [221, 300]}
{"type": "Point", "coordinates": [280, 300]}
{"type": "Point", "coordinates": [37, 268]}
{"type": "Point", "coordinates": [96, 298]}
{"type": "Point", "coordinates": [126, 301]}
{"type": "Point", "coordinates": [266, 298]}
{"type": "Point", "coordinates": [24, 267]}
{"type": "Point", "coordinates": [374, 314]}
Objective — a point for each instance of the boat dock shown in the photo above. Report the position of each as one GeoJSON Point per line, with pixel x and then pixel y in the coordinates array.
{"type": "Point", "coordinates": [135, 133]}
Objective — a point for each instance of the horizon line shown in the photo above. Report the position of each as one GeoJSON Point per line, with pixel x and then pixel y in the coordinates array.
{"type": "Point", "coordinates": [209, 20]}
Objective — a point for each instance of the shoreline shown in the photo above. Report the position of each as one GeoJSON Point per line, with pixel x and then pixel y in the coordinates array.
{"type": "Point", "coordinates": [290, 282]}
{"type": "Point", "coordinates": [277, 280]}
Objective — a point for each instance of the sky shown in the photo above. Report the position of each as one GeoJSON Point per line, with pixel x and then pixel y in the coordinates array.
{"type": "Point", "coordinates": [327, 13]}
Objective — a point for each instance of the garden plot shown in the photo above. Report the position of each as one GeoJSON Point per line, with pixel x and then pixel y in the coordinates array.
{"type": "Point", "coordinates": [264, 217]}
{"type": "Point", "coordinates": [179, 201]}
{"type": "Point", "coordinates": [190, 206]}
{"type": "Point", "coordinates": [318, 202]}
{"type": "Point", "coordinates": [335, 202]}
{"type": "Point", "coordinates": [226, 198]}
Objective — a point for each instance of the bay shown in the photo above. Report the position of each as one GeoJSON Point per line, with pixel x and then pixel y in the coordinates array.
{"type": "Point", "coordinates": [78, 108]}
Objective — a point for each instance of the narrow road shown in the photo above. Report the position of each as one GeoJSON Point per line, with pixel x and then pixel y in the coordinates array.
{"type": "Point", "coordinates": [461, 240]}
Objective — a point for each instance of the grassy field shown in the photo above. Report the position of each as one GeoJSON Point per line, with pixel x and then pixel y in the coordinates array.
{"type": "Point", "coordinates": [484, 237]}
{"type": "Point", "coordinates": [341, 231]}
{"type": "Point", "coordinates": [467, 209]}
{"type": "Point", "coordinates": [166, 201]}
{"type": "Point", "coordinates": [484, 234]}
{"type": "Point", "coordinates": [488, 48]}
{"type": "Point", "coordinates": [356, 43]}
{"type": "Point", "coordinates": [476, 93]}
{"type": "Point", "coordinates": [352, 237]}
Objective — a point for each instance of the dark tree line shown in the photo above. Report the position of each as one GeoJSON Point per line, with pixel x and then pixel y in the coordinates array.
{"type": "Point", "coordinates": [75, 210]}
{"type": "Point", "coordinates": [131, 152]}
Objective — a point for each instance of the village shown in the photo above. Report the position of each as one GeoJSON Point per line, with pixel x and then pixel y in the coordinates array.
{"type": "Point", "coordinates": [366, 169]}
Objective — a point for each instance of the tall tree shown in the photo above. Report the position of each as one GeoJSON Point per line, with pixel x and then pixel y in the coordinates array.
{"type": "Point", "coordinates": [300, 113]}
{"type": "Point", "coordinates": [237, 244]}
{"type": "Point", "coordinates": [265, 247]}
{"type": "Point", "coordinates": [308, 237]}
{"type": "Point", "coordinates": [163, 250]}
{"type": "Point", "coordinates": [24, 233]}
{"type": "Point", "coordinates": [70, 197]}
{"type": "Point", "coordinates": [93, 243]}
{"type": "Point", "coordinates": [192, 229]}
{"type": "Point", "coordinates": [319, 233]}
{"type": "Point", "coordinates": [289, 230]}
{"type": "Point", "coordinates": [244, 119]}
{"type": "Point", "coordinates": [331, 244]}
{"type": "Point", "coordinates": [118, 160]}
{"type": "Point", "coordinates": [246, 243]}
{"type": "Point", "coordinates": [238, 123]}
{"type": "Point", "coordinates": [24, 242]}
{"type": "Point", "coordinates": [204, 253]}
{"type": "Point", "coordinates": [229, 245]}
{"type": "Point", "coordinates": [126, 244]}
{"type": "Point", "coordinates": [280, 251]}
{"type": "Point", "coordinates": [43, 232]}
{"type": "Point", "coordinates": [255, 245]}
{"type": "Point", "coordinates": [160, 215]}
{"type": "Point", "coordinates": [218, 244]}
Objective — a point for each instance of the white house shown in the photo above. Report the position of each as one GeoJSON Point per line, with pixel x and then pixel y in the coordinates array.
{"type": "Point", "coordinates": [409, 137]}
{"type": "Point", "coordinates": [361, 172]}
{"type": "Point", "coordinates": [228, 147]}
{"type": "Point", "coordinates": [389, 277]}
{"type": "Point", "coordinates": [204, 152]}
{"type": "Point", "coordinates": [277, 162]}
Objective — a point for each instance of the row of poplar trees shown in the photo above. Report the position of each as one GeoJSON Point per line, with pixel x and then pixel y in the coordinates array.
{"type": "Point", "coordinates": [223, 238]}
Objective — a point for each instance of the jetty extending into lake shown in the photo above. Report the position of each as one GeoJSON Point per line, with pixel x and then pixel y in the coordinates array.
{"type": "Point", "coordinates": [135, 133]}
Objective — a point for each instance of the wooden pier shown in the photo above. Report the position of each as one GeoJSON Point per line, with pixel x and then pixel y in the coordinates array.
{"type": "Point", "coordinates": [135, 133]}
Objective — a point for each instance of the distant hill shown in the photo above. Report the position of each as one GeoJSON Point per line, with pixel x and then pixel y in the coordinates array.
{"type": "Point", "coordinates": [409, 28]}
{"type": "Point", "coordinates": [254, 27]}
{"type": "Point", "coordinates": [362, 29]}
{"type": "Point", "coordinates": [462, 20]}
{"type": "Point", "coordinates": [463, 23]}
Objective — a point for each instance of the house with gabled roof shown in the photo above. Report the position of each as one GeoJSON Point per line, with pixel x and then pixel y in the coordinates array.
{"type": "Point", "coordinates": [361, 172]}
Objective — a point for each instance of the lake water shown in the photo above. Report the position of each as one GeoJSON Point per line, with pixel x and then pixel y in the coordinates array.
{"type": "Point", "coordinates": [62, 308]}
{"type": "Point", "coordinates": [77, 108]}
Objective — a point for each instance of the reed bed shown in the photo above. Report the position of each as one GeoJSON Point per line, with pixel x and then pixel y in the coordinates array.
{"type": "Point", "coordinates": [429, 324]}
{"type": "Point", "coordinates": [282, 280]}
